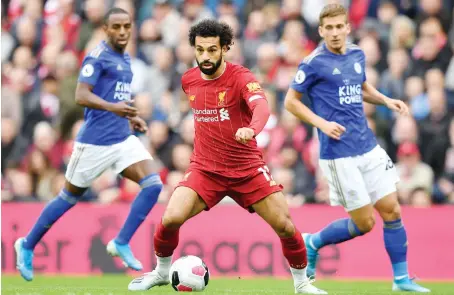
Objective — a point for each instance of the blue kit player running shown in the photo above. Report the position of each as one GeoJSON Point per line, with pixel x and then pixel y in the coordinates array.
{"type": "Point", "coordinates": [105, 141]}
{"type": "Point", "coordinates": [360, 174]}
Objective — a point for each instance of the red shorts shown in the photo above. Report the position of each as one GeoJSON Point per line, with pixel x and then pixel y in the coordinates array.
{"type": "Point", "coordinates": [212, 188]}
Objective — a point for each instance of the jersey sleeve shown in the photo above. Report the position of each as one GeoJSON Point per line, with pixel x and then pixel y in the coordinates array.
{"type": "Point", "coordinates": [305, 77]}
{"type": "Point", "coordinates": [254, 96]}
{"type": "Point", "coordinates": [251, 91]}
{"type": "Point", "coordinates": [363, 65]}
{"type": "Point", "coordinates": [184, 83]}
{"type": "Point", "coordinates": [91, 70]}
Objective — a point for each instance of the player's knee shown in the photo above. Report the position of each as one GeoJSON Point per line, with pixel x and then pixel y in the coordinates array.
{"type": "Point", "coordinates": [391, 213]}
{"type": "Point", "coordinates": [173, 219]}
{"type": "Point", "coordinates": [284, 227]}
{"type": "Point", "coordinates": [366, 224]}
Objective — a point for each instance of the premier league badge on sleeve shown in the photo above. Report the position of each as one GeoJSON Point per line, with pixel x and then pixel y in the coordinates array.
{"type": "Point", "coordinates": [300, 77]}
{"type": "Point", "coordinates": [88, 70]}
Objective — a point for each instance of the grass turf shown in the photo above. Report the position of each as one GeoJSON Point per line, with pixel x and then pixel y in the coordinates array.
{"type": "Point", "coordinates": [117, 285]}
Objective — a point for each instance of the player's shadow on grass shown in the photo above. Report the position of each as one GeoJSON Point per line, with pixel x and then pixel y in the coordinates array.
{"type": "Point", "coordinates": [99, 258]}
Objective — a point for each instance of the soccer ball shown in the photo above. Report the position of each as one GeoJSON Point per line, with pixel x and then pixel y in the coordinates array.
{"type": "Point", "coordinates": [189, 274]}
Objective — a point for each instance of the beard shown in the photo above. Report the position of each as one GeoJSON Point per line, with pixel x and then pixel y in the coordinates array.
{"type": "Point", "coordinates": [212, 70]}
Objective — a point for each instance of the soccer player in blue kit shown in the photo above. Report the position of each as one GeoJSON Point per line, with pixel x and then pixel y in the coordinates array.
{"type": "Point", "coordinates": [360, 174]}
{"type": "Point", "coordinates": [104, 141]}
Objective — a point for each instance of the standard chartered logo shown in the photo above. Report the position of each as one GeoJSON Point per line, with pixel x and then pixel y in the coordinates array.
{"type": "Point", "coordinates": [211, 115]}
{"type": "Point", "coordinates": [122, 91]}
{"type": "Point", "coordinates": [224, 114]}
{"type": "Point", "coordinates": [350, 94]}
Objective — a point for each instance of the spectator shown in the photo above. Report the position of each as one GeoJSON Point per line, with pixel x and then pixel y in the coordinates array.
{"type": "Point", "coordinates": [160, 74]}
{"type": "Point", "coordinates": [402, 33]}
{"type": "Point", "coordinates": [393, 79]}
{"type": "Point", "coordinates": [167, 19]}
{"type": "Point", "coordinates": [255, 34]}
{"type": "Point", "coordinates": [373, 54]}
{"type": "Point", "coordinates": [435, 127]}
{"type": "Point", "coordinates": [417, 97]}
{"type": "Point", "coordinates": [404, 129]}
{"type": "Point", "coordinates": [413, 173]}
{"type": "Point", "coordinates": [195, 10]}
{"type": "Point", "coordinates": [431, 50]}
{"type": "Point", "coordinates": [267, 64]}
{"type": "Point", "coordinates": [445, 184]}
{"type": "Point", "coordinates": [27, 34]}
{"type": "Point", "coordinates": [420, 198]}
{"type": "Point", "coordinates": [94, 11]}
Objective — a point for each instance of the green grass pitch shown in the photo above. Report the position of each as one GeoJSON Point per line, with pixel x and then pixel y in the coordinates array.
{"type": "Point", "coordinates": [117, 285]}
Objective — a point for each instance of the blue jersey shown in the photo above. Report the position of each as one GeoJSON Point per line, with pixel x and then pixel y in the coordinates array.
{"type": "Point", "coordinates": [109, 72]}
{"type": "Point", "coordinates": [333, 83]}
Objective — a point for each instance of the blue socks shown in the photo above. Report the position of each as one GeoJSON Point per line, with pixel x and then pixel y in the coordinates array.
{"type": "Point", "coordinates": [51, 213]}
{"type": "Point", "coordinates": [142, 205]}
{"type": "Point", "coordinates": [395, 238]}
{"type": "Point", "coordinates": [336, 232]}
{"type": "Point", "coordinates": [151, 187]}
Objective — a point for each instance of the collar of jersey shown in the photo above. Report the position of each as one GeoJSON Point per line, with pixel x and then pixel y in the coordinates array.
{"type": "Point", "coordinates": [109, 49]}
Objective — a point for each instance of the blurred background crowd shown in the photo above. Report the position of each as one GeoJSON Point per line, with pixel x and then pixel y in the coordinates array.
{"type": "Point", "coordinates": [408, 44]}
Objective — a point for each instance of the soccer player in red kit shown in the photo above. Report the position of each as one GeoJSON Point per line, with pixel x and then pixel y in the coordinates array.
{"type": "Point", "coordinates": [229, 109]}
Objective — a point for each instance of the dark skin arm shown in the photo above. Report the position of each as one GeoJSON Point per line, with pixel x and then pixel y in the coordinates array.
{"type": "Point", "coordinates": [86, 98]}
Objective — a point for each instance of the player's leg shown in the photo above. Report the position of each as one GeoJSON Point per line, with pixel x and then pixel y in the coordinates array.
{"type": "Point", "coordinates": [274, 210]}
{"type": "Point", "coordinates": [381, 182]}
{"type": "Point", "coordinates": [135, 163]}
{"type": "Point", "coordinates": [151, 186]}
{"type": "Point", "coordinates": [260, 193]}
{"type": "Point", "coordinates": [196, 192]}
{"type": "Point", "coordinates": [75, 186]}
{"type": "Point", "coordinates": [347, 189]}
{"type": "Point", "coordinates": [183, 204]}
{"type": "Point", "coordinates": [143, 173]}
{"type": "Point", "coordinates": [396, 243]}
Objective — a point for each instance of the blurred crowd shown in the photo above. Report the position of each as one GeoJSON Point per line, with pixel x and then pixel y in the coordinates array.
{"type": "Point", "coordinates": [409, 55]}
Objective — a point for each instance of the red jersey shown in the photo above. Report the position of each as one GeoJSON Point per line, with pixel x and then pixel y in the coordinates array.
{"type": "Point", "coordinates": [220, 107]}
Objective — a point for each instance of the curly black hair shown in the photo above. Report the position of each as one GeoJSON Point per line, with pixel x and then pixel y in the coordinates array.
{"type": "Point", "coordinates": [212, 28]}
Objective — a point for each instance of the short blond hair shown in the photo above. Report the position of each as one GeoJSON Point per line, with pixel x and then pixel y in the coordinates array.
{"type": "Point", "coordinates": [332, 10]}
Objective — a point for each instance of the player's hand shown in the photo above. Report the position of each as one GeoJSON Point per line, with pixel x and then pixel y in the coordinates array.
{"type": "Point", "coordinates": [397, 106]}
{"type": "Point", "coordinates": [244, 134]}
{"type": "Point", "coordinates": [123, 109]}
{"type": "Point", "coordinates": [333, 129]}
{"type": "Point", "coordinates": [138, 124]}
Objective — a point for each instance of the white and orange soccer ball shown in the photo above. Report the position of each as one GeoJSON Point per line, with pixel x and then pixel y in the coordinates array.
{"type": "Point", "coordinates": [189, 274]}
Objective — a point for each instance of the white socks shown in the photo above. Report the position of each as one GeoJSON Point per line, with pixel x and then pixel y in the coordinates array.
{"type": "Point", "coordinates": [163, 266]}
{"type": "Point", "coordinates": [299, 275]}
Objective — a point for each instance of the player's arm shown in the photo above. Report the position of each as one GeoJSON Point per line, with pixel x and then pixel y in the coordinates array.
{"type": "Point", "coordinates": [255, 99]}
{"type": "Point", "coordinates": [373, 96]}
{"type": "Point", "coordinates": [306, 77]}
{"type": "Point", "coordinates": [88, 78]}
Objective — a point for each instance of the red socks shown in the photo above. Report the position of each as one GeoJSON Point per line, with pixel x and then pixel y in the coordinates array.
{"type": "Point", "coordinates": [165, 241]}
{"type": "Point", "coordinates": [295, 250]}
